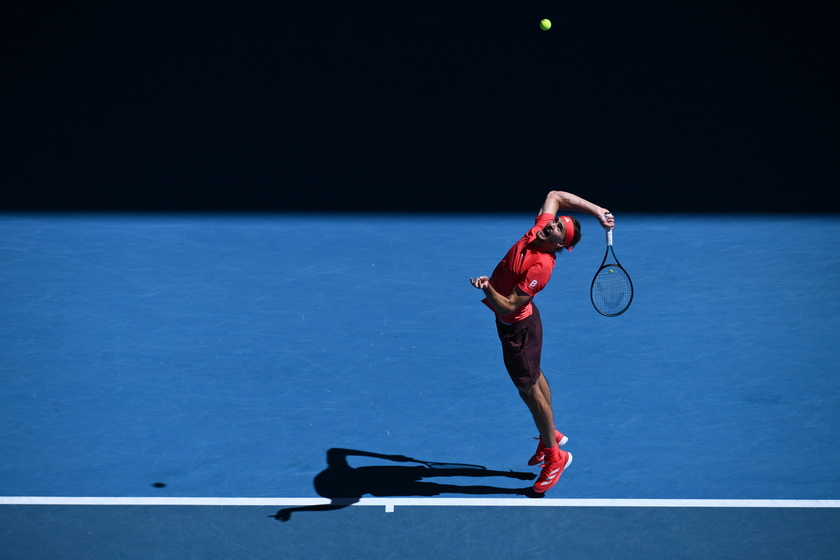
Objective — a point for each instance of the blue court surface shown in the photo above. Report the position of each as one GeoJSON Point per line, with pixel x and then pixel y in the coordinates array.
{"type": "Point", "coordinates": [173, 386]}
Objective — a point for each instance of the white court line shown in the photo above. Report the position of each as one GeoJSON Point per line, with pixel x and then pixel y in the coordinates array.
{"type": "Point", "coordinates": [390, 503]}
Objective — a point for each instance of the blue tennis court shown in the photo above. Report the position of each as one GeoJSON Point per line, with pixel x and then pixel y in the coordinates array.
{"type": "Point", "coordinates": [173, 385]}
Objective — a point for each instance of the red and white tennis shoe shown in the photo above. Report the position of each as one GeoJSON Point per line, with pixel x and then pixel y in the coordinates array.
{"type": "Point", "coordinates": [539, 456]}
{"type": "Point", "coordinates": [556, 461]}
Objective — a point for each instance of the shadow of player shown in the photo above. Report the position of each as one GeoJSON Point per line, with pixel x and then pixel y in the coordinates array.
{"type": "Point", "coordinates": [345, 485]}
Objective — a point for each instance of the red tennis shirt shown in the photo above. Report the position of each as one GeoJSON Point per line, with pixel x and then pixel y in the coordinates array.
{"type": "Point", "coordinates": [525, 268]}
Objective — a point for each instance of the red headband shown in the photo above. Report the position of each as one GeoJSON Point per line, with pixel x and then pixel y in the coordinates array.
{"type": "Point", "coordinates": [569, 228]}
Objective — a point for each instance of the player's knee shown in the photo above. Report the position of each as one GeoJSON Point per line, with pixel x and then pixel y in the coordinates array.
{"type": "Point", "coordinates": [527, 392]}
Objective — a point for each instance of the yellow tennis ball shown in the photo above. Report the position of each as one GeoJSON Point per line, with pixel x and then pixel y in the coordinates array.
{"type": "Point", "coordinates": [545, 24]}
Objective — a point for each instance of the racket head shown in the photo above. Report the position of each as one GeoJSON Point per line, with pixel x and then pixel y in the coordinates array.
{"type": "Point", "coordinates": [611, 291]}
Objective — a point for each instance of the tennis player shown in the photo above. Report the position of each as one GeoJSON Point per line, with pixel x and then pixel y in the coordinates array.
{"type": "Point", "coordinates": [509, 292]}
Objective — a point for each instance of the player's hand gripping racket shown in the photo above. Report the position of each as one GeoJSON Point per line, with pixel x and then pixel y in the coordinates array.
{"type": "Point", "coordinates": [611, 291]}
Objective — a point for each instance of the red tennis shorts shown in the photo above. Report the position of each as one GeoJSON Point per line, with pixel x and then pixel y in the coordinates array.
{"type": "Point", "coordinates": [522, 348]}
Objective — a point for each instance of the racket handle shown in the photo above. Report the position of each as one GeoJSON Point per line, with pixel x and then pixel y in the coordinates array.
{"type": "Point", "coordinates": [609, 231]}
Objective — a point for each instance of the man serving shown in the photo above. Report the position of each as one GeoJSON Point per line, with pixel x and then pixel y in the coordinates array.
{"type": "Point", "coordinates": [509, 292]}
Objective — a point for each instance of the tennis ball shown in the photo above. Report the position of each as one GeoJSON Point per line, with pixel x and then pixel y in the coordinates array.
{"type": "Point", "coordinates": [545, 24]}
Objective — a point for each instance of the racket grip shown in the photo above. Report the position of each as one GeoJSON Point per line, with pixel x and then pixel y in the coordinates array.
{"type": "Point", "coordinates": [609, 231]}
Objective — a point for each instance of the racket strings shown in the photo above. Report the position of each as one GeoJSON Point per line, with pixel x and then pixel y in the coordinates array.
{"type": "Point", "coordinates": [611, 291]}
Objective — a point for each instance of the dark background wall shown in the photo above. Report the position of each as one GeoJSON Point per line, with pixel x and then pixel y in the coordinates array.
{"type": "Point", "coordinates": [418, 105]}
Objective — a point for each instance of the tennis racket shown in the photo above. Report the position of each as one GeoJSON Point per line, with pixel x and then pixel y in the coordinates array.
{"type": "Point", "coordinates": [611, 291]}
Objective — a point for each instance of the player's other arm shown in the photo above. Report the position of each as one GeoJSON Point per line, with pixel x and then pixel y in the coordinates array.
{"type": "Point", "coordinates": [562, 200]}
{"type": "Point", "coordinates": [503, 305]}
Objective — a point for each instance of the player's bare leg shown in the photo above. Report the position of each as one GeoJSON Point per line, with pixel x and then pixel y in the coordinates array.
{"type": "Point", "coordinates": [538, 399]}
{"type": "Point", "coordinates": [559, 438]}
{"type": "Point", "coordinates": [542, 382]}
{"type": "Point", "coordinates": [540, 406]}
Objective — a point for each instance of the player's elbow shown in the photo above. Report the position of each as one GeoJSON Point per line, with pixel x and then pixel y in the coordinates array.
{"type": "Point", "coordinates": [561, 197]}
{"type": "Point", "coordinates": [510, 307]}
{"type": "Point", "coordinates": [504, 307]}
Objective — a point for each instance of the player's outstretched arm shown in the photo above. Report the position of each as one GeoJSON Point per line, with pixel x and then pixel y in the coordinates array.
{"type": "Point", "coordinates": [562, 200]}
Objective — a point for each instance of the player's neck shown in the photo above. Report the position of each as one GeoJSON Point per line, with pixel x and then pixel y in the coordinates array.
{"type": "Point", "coordinates": [543, 247]}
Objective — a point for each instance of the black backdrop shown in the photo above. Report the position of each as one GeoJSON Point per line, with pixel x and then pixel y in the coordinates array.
{"type": "Point", "coordinates": [419, 106]}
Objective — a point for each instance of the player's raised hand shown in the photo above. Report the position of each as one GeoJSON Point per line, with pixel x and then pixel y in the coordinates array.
{"type": "Point", "coordinates": [606, 218]}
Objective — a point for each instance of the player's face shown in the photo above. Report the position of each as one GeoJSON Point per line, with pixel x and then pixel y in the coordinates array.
{"type": "Point", "coordinates": [553, 233]}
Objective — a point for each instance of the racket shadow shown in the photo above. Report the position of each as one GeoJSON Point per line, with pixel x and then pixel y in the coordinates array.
{"type": "Point", "coordinates": [344, 485]}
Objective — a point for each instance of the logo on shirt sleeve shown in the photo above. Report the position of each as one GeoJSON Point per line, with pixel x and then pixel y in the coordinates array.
{"type": "Point", "coordinates": [533, 283]}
